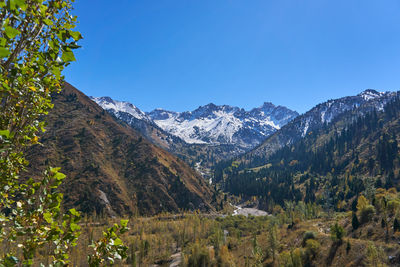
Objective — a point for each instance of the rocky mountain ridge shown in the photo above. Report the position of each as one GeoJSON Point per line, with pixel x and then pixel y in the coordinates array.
{"type": "Point", "coordinates": [321, 115]}
{"type": "Point", "coordinates": [209, 124]}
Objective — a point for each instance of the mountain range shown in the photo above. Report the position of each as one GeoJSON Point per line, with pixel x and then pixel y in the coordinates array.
{"type": "Point", "coordinates": [205, 135]}
{"type": "Point", "coordinates": [212, 124]}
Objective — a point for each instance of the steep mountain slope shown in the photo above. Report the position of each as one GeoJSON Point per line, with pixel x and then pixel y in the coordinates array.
{"type": "Point", "coordinates": [319, 116]}
{"type": "Point", "coordinates": [213, 124]}
{"type": "Point", "coordinates": [199, 156]}
{"type": "Point", "coordinates": [111, 167]}
{"type": "Point", "coordinates": [138, 120]}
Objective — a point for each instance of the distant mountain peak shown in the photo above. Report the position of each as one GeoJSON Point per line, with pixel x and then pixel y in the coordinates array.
{"type": "Point", "coordinates": [211, 123]}
{"type": "Point", "coordinates": [207, 108]}
{"type": "Point", "coordinates": [209, 105]}
{"type": "Point", "coordinates": [116, 106]}
{"type": "Point", "coordinates": [370, 91]}
{"type": "Point", "coordinates": [103, 98]}
{"type": "Point", "coordinates": [370, 94]}
{"type": "Point", "coordinates": [224, 124]}
{"type": "Point", "coordinates": [267, 105]}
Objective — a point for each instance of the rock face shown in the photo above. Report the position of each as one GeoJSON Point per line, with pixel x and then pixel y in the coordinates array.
{"type": "Point", "coordinates": [207, 125]}
{"type": "Point", "coordinates": [213, 124]}
{"type": "Point", "coordinates": [111, 167]}
{"type": "Point", "coordinates": [141, 122]}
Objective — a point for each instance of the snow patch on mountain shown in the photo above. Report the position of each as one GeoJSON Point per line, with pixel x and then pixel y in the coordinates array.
{"type": "Point", "coordinates": [116, 106]}
{"type": "Point", "coordinates": [209, 124]}
{"type": "Point", "coordinates": [219, 125]}
{"type": "Point", "coordinates": [305, 128]}
{"type": "Point", "coordinates": [370, 94]}
{"type": "Point", "coordinates": [212, 124]}
{"type": "Point", "coordinates": [322, 114]}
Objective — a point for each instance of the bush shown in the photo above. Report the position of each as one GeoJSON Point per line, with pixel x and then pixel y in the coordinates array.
{"type": "Point", "coordinates": [291, 258]}
{"type": "Point", "coordinates": [312, 248]}
{"type": "Point", "coordinates": [367, 213]}
{"type": "Point", "coordinates": [307, 236]}
{"type": "Point", "coordinates": [337, 232]}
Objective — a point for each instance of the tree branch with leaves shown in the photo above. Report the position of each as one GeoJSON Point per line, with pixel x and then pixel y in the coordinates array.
{"type": "Point", "coordinates": [37, 39]}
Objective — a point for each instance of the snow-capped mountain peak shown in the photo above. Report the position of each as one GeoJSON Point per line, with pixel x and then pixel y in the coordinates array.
{"type": "Point", "coordinates": [325, 113]}
{"type": "Point", "coordinates": [370, 94]}
{"type": "Point", "coordinates": [161, 114]}
{"type": "Point", "coordinates": [223, 124]}
{"type": "Point", "coordinates": [275, 116]}
{"type": "Point", "coordinates": [209, 124]}
{"type": "Point", "coordinates": [107, 103]}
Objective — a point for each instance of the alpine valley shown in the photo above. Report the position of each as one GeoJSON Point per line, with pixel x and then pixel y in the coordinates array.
{"type": "Point", "coordinates": [112, 180]}
{"type": "Point", "coordinates": [319, 176]}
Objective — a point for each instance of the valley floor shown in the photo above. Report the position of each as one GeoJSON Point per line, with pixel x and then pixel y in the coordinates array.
{"type": "Point", "coordinates": [295, 237]}
{"type": "Point", "coordinates": [209, 240]}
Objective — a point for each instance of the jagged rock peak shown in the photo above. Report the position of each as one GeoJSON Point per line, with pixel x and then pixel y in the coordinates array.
{"type": "Point", "coordinates": [370, 94]}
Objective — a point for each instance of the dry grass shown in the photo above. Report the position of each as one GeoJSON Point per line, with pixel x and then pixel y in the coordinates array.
{"type": "Point", "coordinates": [153, 240]}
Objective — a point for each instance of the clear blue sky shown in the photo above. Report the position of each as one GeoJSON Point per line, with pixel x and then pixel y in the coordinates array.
{"type": "Point", "coordinates": [180, 54]}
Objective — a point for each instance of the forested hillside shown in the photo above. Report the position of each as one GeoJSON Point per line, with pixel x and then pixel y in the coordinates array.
{"type": "Point", "coordinates": [319, 117]}
{"type": "Point", "coordinates": [329, 166]}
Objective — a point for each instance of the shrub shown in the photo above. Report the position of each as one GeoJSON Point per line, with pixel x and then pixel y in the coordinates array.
{"type": "Point", "coordinates": [308, 235]}
{"type": "Point", "coordinates": [367, 213]}
{"type": "Point", "coordinates": [337, 232]}
{"type": "Point", "coordinates": [312, 248]}
{"type": "Point", "coordinates": [362, 202]}
{"type": "Point", "coordinates": [292, 258]}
